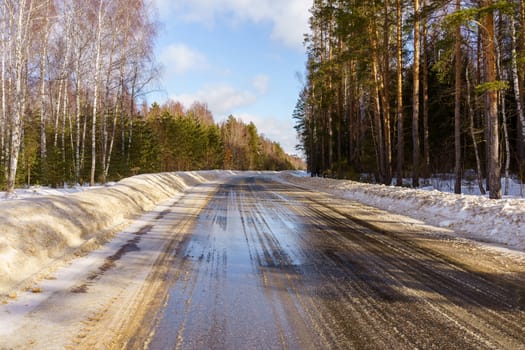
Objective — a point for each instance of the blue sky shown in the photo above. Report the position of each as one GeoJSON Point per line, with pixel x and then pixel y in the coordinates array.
{"type": "Point", "coordinates": [241, 57]}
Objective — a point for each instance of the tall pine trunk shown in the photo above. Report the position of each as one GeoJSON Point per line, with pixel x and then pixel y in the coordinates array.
{"type": "Point", "coordinates": [491, 102]}
{"type": "Point", "coordinates": [426, 132]}
{"type": "Point", "coordinates": [501, 75]}
{"type": "Point", "coordinates": [386, 98]}
{"type": "Point", "coordinates": [376, 96]}
{"type": "Point", "coordinates": [457, 109]}
{"type": "Point", "coordinates": [399, 96]}
{"type": "Point", "coordinates": [415, 98]}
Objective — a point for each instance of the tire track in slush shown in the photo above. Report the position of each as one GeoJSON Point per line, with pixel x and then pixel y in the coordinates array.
{"type": "Point", "coordinates": [439, 278]}
{"type": "Point", "coordinates": [277, 267]}
{"type": "Point", "coordinates": [380, 245]}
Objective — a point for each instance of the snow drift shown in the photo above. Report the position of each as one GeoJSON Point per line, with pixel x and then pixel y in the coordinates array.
{"type": "Point", "coordinates": [471, 216]}
{"type": "Point", "coordinates": [36, 232]}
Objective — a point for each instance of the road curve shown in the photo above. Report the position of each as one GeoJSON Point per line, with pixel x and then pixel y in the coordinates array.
{"type": "Point", "coordinates": [273, 266]}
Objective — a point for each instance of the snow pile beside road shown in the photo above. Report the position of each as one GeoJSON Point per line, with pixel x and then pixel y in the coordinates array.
{"type": "Point", "coordinates": [34, 232]}
{"type": "Point", "coordinates": [475, 217]}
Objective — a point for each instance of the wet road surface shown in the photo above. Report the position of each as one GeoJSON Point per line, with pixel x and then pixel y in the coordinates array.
{"type": "Point", "coordinates": [273, 266]}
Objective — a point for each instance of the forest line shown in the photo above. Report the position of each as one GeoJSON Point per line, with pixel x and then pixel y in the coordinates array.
{"type": "Point", "coordinates": [72, 78]}
{"type": "Point", "coordinates": [400, 89]}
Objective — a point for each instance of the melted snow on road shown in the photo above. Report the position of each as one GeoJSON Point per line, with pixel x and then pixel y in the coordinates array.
{"type": "Point", "coordinates": [471, 216]}
{"type": "Point", "coordinates": [223, 259]}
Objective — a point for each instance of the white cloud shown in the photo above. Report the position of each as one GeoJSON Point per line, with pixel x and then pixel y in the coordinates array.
{"type": "Point", "coordinates": [289, 18]}
{"type": "Point", "coordinates": [291, 22]}
{"type": "Point", "coordinates": [260, 83]}
{"type": "Point", "coordinates": [180, 58]}
{"type": "Point", "coordinates": [277, 130]}
{"type": "Point", "coordinates": [221, 98]}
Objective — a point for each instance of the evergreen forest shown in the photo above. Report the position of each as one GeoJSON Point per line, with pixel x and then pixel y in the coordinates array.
{"type": "Point", "coordinates": [73, 75]}
{"type": "Point", "coordinates": [400, 89]}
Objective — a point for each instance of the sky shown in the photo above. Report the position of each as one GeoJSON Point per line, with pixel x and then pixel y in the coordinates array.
{"type": "Point", "coordinates": [241, 57]}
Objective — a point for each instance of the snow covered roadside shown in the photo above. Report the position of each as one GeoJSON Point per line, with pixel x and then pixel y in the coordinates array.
{"type": "Point", "coordinates": [37, 232]}
{"type": "Point", "coordinates": [471, 216]}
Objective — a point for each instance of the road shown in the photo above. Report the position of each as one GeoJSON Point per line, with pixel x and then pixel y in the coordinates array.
{"type": "Point", "coordinates": [259, 264]}
{"type": "Point", "coordinates": [272, 266]}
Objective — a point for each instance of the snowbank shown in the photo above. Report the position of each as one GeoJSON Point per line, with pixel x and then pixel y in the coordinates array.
{"type": "Point", "coordinates": [37, 231]}
{"type": "Point", "coordinates": [34, 232]}
{"type": "Point", "coordinates": [471, 216]}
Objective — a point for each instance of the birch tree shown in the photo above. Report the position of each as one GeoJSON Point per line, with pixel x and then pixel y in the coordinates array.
{"type": "Point", "coordinates": [43, 83]}
{"type": "Point", "coordinates": [101, 16]}
{"type": "Point", "coordinates": [22, 12]}
{"type": "Point", "coordinates": [5, 46]}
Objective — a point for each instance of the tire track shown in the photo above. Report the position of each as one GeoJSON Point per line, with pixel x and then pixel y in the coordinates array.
{"type": "Point", "coordinates": [275, 266]}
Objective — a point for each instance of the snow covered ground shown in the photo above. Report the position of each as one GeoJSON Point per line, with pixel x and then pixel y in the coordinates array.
{"type": "Point", "coordinates": [45, 226]}
{"type": "Point", "coordinates": [471, 216]}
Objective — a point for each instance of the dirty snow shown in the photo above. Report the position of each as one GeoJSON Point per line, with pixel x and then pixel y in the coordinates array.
{"type": "Point", "coordinates": [94, 294]}
{"type": "Point", "coordinates": [471, 216]}
{"type": "Point", "coordinates": [44, 227]}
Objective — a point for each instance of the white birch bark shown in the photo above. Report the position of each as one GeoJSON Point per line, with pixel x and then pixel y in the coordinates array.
{"type": "Point", "coordinates": [78, 112]}
{"type": "Point", "coordinates": [98, 55]}
{"type": "Point", "coordinates": [4, 41]}
{"type": "Point", "coordinates": [20, 45]}
{"type": "Point", "coordinates": [43, 91]}
{"type": "Point", "coordinates": [63, 76]}
{"type": "Point", "coordinates": [108, 105]}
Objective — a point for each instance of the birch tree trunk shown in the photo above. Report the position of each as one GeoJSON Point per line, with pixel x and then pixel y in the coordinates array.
{"type": "Point", "coordinates": [4, 40]}
{"type": "Point", "coordinates": [20, 59]}
{"type": "Point", "coordinates": [79, 41]}
{"type": "Point", "coordinates": [43, 91]}
{"type": "Point", "coordinates": [78, 111]}
{"type": "Point", "coordinates": [117, 111]}
{"type": "Point", "coordinates": [100, 21]}
{"type": "Point", "coordinates": [520, 47]}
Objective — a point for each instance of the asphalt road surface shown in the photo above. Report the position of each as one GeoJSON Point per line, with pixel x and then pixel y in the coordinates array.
{"type": "Point", "coordinates": [272, 266]}
{"type": "Point", "coordinates": [252, 263]}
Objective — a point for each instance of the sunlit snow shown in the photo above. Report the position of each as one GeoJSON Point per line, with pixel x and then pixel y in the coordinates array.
{"type": "Point", "coordinates": [467, 215]}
